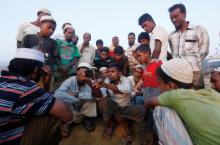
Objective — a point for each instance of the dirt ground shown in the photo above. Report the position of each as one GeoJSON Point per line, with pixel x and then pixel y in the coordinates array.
{"type": "Point", "coordinates": [79, 136]}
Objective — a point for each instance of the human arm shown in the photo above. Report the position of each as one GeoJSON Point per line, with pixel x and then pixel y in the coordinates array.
{"type": "Point", "coordinates": [61, 111]}
{"type": "Point", "coordinates": [203, 41]}
{"type": "Point", "coordinates": [65, 92]}
{"type": "Point", "coordinates": [157, 49]}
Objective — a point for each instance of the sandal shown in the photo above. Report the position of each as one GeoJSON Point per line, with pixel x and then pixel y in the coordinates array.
{"type": "Point", "coordinates": [89, 126]}
{"type": "Point", "coordinates": [108, 131]}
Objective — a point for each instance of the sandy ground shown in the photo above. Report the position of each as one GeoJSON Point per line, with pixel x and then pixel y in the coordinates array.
{"type": "Point", "coordinates": [79, 136]}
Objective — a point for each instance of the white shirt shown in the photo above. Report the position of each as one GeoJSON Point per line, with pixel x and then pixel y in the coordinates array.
{"type": "Point", "coordinates": [125, 87]}
{"type": "Point", "coordinates": [88, 54]}
{"type": "Point", "coordinates": [25, 29]}
{"type": "Point", "coordinates": [192, 44]}
{"type": "Point", "coordinates": [159, 33]}
{"type": "Point", "coordinates": [131, 58]}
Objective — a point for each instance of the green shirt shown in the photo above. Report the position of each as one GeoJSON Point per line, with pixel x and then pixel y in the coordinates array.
{"type": "Point", "coordinates": [67, 51]}
{"type": "Point", "coordinates": [199, 110]}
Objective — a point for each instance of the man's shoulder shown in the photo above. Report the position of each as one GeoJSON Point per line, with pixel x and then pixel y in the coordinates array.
{"type": "Point", "coordinates": [159, 29]}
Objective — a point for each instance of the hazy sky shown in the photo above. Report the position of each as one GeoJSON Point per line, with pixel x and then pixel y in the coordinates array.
{"type": "Point", "coordinates": [103, 19]}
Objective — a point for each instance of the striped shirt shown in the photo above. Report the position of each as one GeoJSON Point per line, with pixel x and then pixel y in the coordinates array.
{"type": "Point", "coordinates": [20, 100]}
{"type": "Point", "coordinates": [192, 44]}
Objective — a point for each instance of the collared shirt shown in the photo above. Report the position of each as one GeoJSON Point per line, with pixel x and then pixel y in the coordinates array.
{"type": "Point", "coordinates": [132, 60]}
{"type": "Point", "coordinates": [192, 44]}
{"type": "Point", "coordinates": [123, 99]}
{"type": "Point", "coordinates": [88, 54]}
{"type": "Point", "coordinates": [71, 85]}
{"type": "Point", "coordinates": [25, 29]}
{"type": "Point", "coordinates": [149, 76]}
{"type": "Point", "coordinates": [20, 101]}
{"type": "Point", "coordinates": [159, 33]}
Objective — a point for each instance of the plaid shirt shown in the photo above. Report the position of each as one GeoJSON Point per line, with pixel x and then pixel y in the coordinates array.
{"type": "Point", "coordinates": [192, 44]}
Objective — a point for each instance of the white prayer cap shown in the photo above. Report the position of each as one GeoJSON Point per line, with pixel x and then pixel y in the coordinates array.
{"type": "Point", "coordinates": [216, 69]}
{"type": "Point", "coordinates": [139, 66]}
{"type": "Point", "coordinates": [102, 69]}
{"type": "Point", "coordinates": [84, 64]}
{"type": "Point", "coordinates": [68, 26]}
{"type": "Point", "coordinates": [178, 69]}
{"type": "Point", "coordinates": [44, 10]}
{"type": "Point", "coordinates": [27, 53]}
{"type": "Point", "coordinates": [48, 18]}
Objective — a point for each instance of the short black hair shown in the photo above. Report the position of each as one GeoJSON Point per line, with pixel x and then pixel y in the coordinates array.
{"type": "Point", "coordinates": [180, 6]}
{"type": "Point", "coordinates": [23, 67]}
{"type": "Point", "coordinates": [131, 33]}
{"type": "Point", "coordinates": [68, 23]}
{"type": "Point", "coordinates": [119, 50]}
{"type": "Point", "coordinates": [99, 41]}
{"type": "Point", "coordinates": [105, 49]}
{"type": "Point", "coordinates": [145, 17]}
{"type": "Point", "coordinates": [143, 48]}
{"type": "Point", "coordinates": [166, 79]}
{"type": "Point", "coordinates": [116, 65]}
{"type": "Point", "coordinates": [143, 35]}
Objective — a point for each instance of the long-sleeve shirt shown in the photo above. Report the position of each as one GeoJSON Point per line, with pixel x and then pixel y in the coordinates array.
{"type": "Point", "coordinates": [71, 85]}
{"type": "Point", "coordinates": [192, 44]}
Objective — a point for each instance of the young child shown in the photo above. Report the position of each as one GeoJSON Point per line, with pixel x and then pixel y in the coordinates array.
{"type": "Point", "coordinates": [150, 83]}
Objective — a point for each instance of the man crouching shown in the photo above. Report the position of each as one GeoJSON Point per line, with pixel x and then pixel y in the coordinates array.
{"type": "Point", "coordinates": [117, 89]}
{"type": "Point", "coordinates": [76, 92]}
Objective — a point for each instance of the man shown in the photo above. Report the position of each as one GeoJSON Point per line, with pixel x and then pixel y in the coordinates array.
{"type": "Point", "coordinates": [131, 52]}
{"type": "Point", "coordinates": [121, 60]}
{"type": "Point", "coordinates": [75, 40]}
{"type": "Point", "coordinates": [87, 51]}
{"type": "Point", "coordinates": [137, 85]}
{"type": "Point", "coordinates": [30, 27]}
{"type": "Point", "coordinates": [115, 43]}
{"type": "Point", "coordinates": [99, 45]}
{"type": "Point", "coordinates": [198, 109]}
{"type": "Point", "coordinates": [188, 41]}
{"type": "Point", "coordinates": [144, 38]}
{"type": "Point", "coordinates": [61, 36]}
{"type": "Point", "coordinates": [44, 43]}
{"type": "Point", "coordinates": [27, 100]}
{"type": "Point", "coordinates": [76, 92]}
{"type": "Point", "coordinates": [215, 79]}
{"type": "Point", "coordinates": [42, 40]}
{"type": "Point", "coordinates": [117, 91]}
{"type": "Point", "coordinates": [104, 59]}
{"type": "Point", "coordinates": [159, 37]}
{"type": "Point", "coordinates": [68, 57]}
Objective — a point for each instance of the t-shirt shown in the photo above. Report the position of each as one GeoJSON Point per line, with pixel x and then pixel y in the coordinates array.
{"type": "Point", "coordinates": [199, 110]}
{"type": "Point", "coordinates": [149, 75]}
{"type": "Point", "coordinates": [159, 33]}
{"type": "Point", "coordinates": [20, 101]}
{"type": "Point", "coordinates": [47, 45]}
{"type": "Point", "coordinates": [102, 63]}
{"type": "Point", "coordinates": [25, 29]}
{"type": "Point", "coordinates": [123, 64]}
{"type": "Point", "coordinates": [67, 52]}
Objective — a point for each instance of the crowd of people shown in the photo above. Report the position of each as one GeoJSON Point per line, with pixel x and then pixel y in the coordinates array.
{"type": "Point", "coordinates": [53, 83]}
